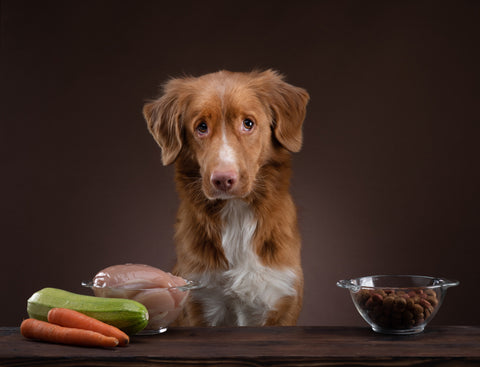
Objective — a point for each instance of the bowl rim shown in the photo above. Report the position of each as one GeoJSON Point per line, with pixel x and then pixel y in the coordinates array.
{"type": "Point", "coordinates": [186, 287]}
{"type": "Point", "coordinates": [437, 282]}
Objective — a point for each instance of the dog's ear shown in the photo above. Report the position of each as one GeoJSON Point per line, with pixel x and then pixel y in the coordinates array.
{"type": "Point", "coordinates": [288, 105]}
{"type": "Point", "coordinates": [163, 118]}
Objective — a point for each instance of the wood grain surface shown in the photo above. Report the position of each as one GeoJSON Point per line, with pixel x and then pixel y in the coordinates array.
{"type": "Point", "coordinates": [279, 346]}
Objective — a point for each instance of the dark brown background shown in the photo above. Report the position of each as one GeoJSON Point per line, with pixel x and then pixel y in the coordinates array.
{"type": "Point", "coordinates": [387, 181]}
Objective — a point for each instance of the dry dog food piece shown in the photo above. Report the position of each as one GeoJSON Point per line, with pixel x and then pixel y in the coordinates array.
{"type": "Point", "coordinates": [397, 309]}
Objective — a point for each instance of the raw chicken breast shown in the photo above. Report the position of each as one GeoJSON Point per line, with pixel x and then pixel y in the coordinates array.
{"type": "Point", "coordinates": [161, 307]}
{"type": "Point", "coordinates": [152, 287]}
{"type": "Point", "coordinates": [135, 276]}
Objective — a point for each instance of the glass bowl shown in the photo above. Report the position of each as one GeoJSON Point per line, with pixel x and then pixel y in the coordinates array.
{"type": "Point", "coordinates": [397, 304]}
{"type": "Point", "coordinates": [163, 304]}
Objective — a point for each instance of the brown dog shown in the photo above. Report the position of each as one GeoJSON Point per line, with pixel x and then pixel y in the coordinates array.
{"type": "Point", "coordinates": [230, 136]}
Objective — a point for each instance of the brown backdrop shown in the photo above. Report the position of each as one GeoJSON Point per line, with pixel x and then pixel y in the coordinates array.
{"type": "Point", "coordinates": [387, 181]}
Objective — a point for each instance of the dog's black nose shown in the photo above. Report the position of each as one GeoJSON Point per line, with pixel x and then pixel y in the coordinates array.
{"type": "Point", "coordinates": [224, 180]}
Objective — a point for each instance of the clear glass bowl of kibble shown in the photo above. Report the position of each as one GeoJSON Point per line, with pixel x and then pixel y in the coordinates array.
{"type": "Point", "coordinates": [397, 304]}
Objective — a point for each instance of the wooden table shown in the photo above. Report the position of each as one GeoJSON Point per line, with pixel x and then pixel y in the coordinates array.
{"type": "Point", "coordinates": [285, 346]}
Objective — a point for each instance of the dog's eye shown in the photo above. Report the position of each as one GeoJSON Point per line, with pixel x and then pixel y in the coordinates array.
{"type": "Point", "coordinates": [248, 124]}
{"type": "Point", "coordinates": [202, 128]}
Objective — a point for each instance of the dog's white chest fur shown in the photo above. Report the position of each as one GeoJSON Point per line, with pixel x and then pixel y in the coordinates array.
{"type": "Point", "coordinates": [245, 293]}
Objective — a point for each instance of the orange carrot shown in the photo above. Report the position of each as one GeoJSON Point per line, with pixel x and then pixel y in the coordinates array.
{"type": "Point", "coordinates": [75, 319]}
{"type": "Point", "coordinates": [42, 330]}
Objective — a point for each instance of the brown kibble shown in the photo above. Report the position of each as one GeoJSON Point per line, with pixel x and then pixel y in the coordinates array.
{"type": "Point", "coordinates": [388, 302]}
{"type": "Point", "coordinates": [407, 315]}
{"type": "Point", "coordinates": [382, 293]}
{"type": "Point", "coordinates": [370, 303]}
{"type": "Point", "coordinates": [362, 296]}
{"type": "Point", "coordinates": [396, 315]}
{"type": "Point", "coordinates": [399, 304]}
{"type": "Point", "coordinates": [419, 321]}
{"type": "Point", "coordinates": [425, 303]}
{"type": "Point", "coordinates": [377, 298]}
{"type": "Point", "coordinates": [410, 304]}
{"type": "Point", "coordinates": [417, 309]}
{"type": "Point", "coordinates": [431, 292]}
{"type": "Point", "coordinates": [432, 300]}
{"type": "Point", "coordinates": [416, 299]}
{"type": "Point", "coordinates": [408, 322]}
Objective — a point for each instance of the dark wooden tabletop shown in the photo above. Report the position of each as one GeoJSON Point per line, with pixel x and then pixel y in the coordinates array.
{"type": "Point", "coordinates": [285, 346]}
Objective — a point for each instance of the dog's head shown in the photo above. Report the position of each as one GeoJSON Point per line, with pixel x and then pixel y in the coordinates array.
{"type": "Point", "coordinates": [229, 124]}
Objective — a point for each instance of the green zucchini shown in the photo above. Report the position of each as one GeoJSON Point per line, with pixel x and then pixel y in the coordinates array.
{"type": "Point", "coordinates": [127, 315]}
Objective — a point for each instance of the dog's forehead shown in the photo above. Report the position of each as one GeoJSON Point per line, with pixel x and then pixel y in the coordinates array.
{"type": "Point", "coordinates": [222, 98]}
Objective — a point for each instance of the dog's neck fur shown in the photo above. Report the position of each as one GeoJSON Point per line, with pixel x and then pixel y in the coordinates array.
{"type": "Point", "coordinates": [247, 291]}
{"type": "Point", "coordinates": [239, 225]}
